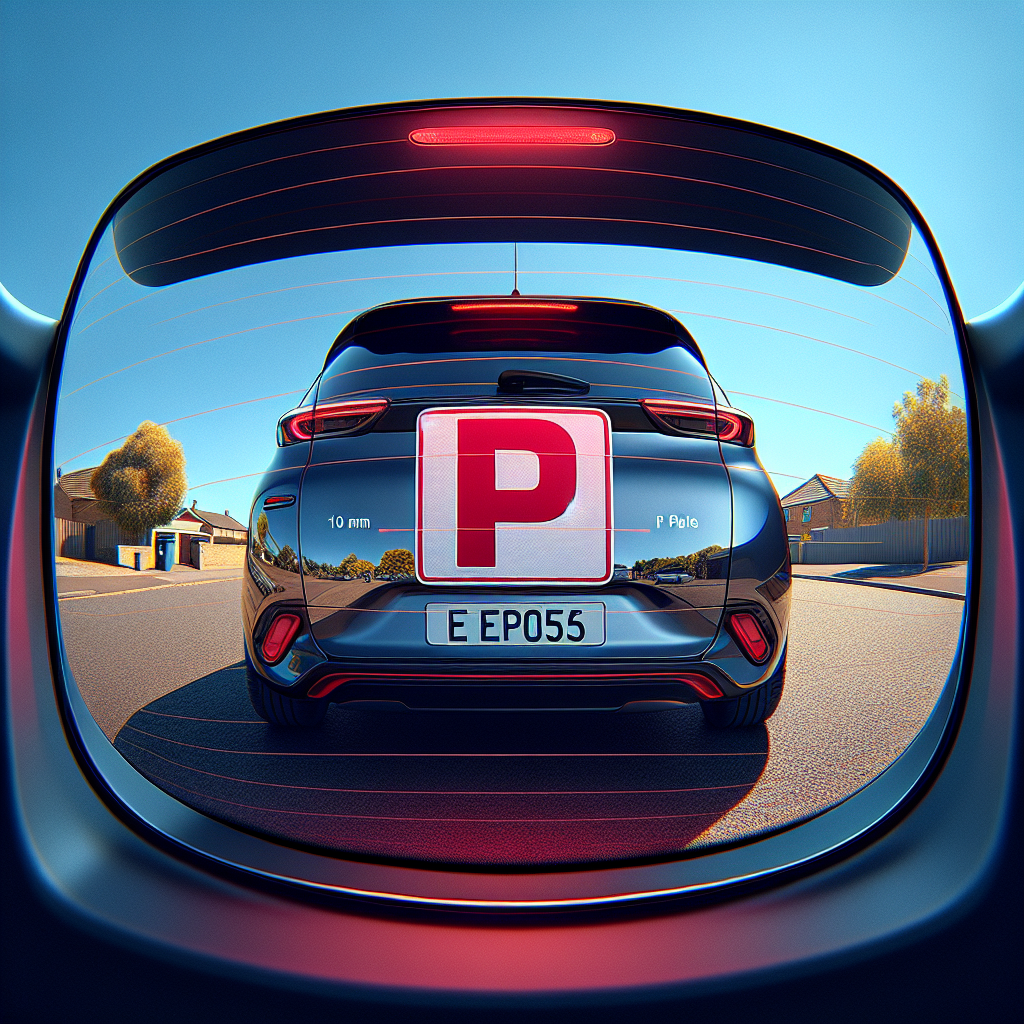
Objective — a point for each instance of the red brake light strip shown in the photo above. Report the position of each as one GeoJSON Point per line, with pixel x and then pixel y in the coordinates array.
{"type": "Point", "coordinates": [564, 307]}
{"type": "Point", "coordinates": [279, 500]}
{"type": "Point", "coordinates": [704, 685]}
{"type": "Point", "coordinates": [512, 135]}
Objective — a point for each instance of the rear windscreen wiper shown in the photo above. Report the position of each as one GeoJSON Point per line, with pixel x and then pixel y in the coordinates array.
{"type": "Point", "coordinates": [537, 382]}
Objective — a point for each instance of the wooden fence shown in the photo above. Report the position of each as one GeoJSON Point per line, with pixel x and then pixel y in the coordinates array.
{"type": "Point", "coordinates": [97, 542]}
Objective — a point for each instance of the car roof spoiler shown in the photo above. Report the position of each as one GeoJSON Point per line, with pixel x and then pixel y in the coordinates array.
{"type": "Point", "coordinates": [504, 170]}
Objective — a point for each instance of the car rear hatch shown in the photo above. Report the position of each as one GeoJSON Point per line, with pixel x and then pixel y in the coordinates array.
{"type": "Point", "coordinates": [485, 483]}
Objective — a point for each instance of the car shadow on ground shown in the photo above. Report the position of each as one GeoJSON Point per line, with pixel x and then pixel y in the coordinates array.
{"type": "Point", "coordinates": [877, 571]}
{"type": "Point", "coordinates": [501, 789]}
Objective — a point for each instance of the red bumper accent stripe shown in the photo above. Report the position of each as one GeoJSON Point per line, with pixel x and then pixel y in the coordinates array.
{"type": "Point", "coordinates": [703, 685]}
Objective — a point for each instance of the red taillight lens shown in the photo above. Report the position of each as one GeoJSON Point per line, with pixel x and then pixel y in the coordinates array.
{"type": "Point", "coordinates": [697, 418]}
{"type": "Point", "coordinates": [561, 307]}
{"type": "Point", "coordinates": [333, 418]}
{"type": "Point", "coordinates": [749, 634]}
{"type": "Point", "coordinates": [279, 501]}
{"type": "Point", "coordinates": [512, 135]}
{"type": "Point", "coordinates": [279, 637]}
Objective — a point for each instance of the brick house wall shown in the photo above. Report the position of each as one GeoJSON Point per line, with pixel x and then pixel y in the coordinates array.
{"type": "Point", "coordinates": [831, 513]}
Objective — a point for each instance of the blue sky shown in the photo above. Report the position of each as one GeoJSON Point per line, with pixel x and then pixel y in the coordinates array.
{"type": "Point", "coordinates": [94, 92]}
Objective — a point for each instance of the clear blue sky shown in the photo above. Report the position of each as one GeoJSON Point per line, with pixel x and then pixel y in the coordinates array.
{"type": "Point", "coordinates": [92, 93]}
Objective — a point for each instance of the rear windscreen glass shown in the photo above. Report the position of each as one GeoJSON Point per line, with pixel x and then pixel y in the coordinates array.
{"type": "Point", "coordinates": [461, 347]}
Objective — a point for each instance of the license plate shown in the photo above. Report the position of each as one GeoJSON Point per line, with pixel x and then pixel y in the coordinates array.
{"type": "Point", "coordinates": [561, 624]}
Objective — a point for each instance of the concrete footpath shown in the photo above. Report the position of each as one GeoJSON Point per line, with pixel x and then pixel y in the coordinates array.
{"type": "Point", "coordinates": [80, 585]}
{"type": "Point", "coordinates": [947, 579]}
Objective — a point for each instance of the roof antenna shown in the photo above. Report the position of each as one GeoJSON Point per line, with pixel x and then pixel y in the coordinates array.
{"type": "Point", "coordinates": [515, 268]}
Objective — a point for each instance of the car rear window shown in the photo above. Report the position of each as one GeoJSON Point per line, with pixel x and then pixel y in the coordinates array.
{"type": "Point", "coordinates": [458, 348]}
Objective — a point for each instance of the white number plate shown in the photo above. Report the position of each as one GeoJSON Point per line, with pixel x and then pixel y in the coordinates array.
{"type": "Point", "coordinates": [565, 624]}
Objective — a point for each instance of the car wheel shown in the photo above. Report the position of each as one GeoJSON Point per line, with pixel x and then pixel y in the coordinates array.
{"type": "Point", "coordinates": [277, 709]}
{"type": "Point", "coordinates": [750, 709]}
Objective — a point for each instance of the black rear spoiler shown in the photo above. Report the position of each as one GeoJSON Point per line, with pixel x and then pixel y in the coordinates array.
{"type": "Point", "coordinates": [503, 170]}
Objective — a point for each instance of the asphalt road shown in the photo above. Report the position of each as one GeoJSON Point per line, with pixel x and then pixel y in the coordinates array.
{"type": "Point", "coordinates": [132, 638]}
{"type": "Point", "coordinates": [158, 666]}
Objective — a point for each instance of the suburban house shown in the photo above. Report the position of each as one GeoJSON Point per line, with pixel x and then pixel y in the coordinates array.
{"type": "Point", "coordinates": [820, 502]}
{"type": "Point", "coordinates": [221, 529]}
{"type": "Point", "coordinates": [82, 530]}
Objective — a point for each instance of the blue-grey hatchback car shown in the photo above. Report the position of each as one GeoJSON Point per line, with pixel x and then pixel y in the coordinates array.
{"type": "Point", "coordinates": [516, 502]}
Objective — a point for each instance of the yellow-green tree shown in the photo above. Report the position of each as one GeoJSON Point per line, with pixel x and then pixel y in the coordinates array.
{"type": "Point", "coordinates": [354, 566]}
{"type": "Point", "coordinates": [262, 529]}
{"type": "Point", "coordinates": [396, 562]}
{"type": "Point", "coordinates": [696, 563]}
{"type": "Point", "coordinates": [142, 484]}
{"type": "Point", "coordinates": [922, 473]}
{"type": "Point", "coordinates": [878, 490]}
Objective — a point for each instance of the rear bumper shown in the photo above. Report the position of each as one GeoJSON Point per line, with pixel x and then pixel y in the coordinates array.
{"type": "Point", "coordinates": [434, 679]}
{"type": "Point", "coordinates": [500, 693]}
{"type": "Point", "coordinates": [582, 685]}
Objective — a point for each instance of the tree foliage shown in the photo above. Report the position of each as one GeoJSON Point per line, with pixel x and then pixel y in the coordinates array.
{"type": "Point", "coordinates": [878, 490]}
{"type": "Point", "coordinates": [695, 564]}
{"type": "Point", "coordinates": [142, 484]}
{"type": "Point", "coordinates": [396, 562]}
{"type": "Point", "coordinates": [353, 566]}
{"type": "Point", "coordinates": [259, 541]}
{"type": "Point", "coordinates": [287, 559]}
{"type": "Point", "coordinates": [319, 570]}
{"type": "Point", "coordinates": [922, 473]}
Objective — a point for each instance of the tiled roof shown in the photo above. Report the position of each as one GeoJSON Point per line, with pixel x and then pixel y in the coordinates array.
{"type": "Point", "coordinates": [840, 488]}
{"type": "Point", "coordinates": [818, 488]}
{"type": "Point", "coordinates": [76, 485]}
{"type": "Point", "coordinates": [215, 519]}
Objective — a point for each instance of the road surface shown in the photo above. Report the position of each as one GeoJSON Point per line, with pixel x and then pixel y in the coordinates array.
{"type": "Point", "coordinates": [157, 660]}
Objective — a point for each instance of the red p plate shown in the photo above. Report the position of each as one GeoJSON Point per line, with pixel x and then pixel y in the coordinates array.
{"type": "Point", "coordinates": [514, 495]}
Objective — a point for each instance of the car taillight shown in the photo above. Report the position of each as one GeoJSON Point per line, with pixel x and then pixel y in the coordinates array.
{"type": "Point", "coordinates": [512, 135]}
{"type": "Point", "coordinates": [328, 418]}
{"type": "Point", "coordinates": [726, 424]}
{"type": "Point", "coordinates": [279, 501]}
{"type": "Point", "coordinates": [279, 637]}
{"type": "Point", "coordinates": [749, 634]}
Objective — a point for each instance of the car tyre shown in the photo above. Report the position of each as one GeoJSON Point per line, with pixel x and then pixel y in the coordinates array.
{"type": "Point", "coordinates": [278, 709]}
{"type": "Point", "coordinates": [750, 709]}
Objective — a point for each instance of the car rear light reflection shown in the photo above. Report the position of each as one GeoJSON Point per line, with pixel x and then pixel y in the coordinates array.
{"type": "Point", "coordinates": [748, 633]}
{"type": "Point", "coordinates": [512, 135]}
{"type": "Point", "coordinates": [697, 418]}
{"type": "Point", "coordinates": [279, 637]}
{"type": "Point", "coordinates": [279, 501]}
{"type": "Point", "coordinates": [328, 418]}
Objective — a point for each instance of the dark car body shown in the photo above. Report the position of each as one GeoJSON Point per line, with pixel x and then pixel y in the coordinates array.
{"type": "Point", "coordinates": [668, 478]}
